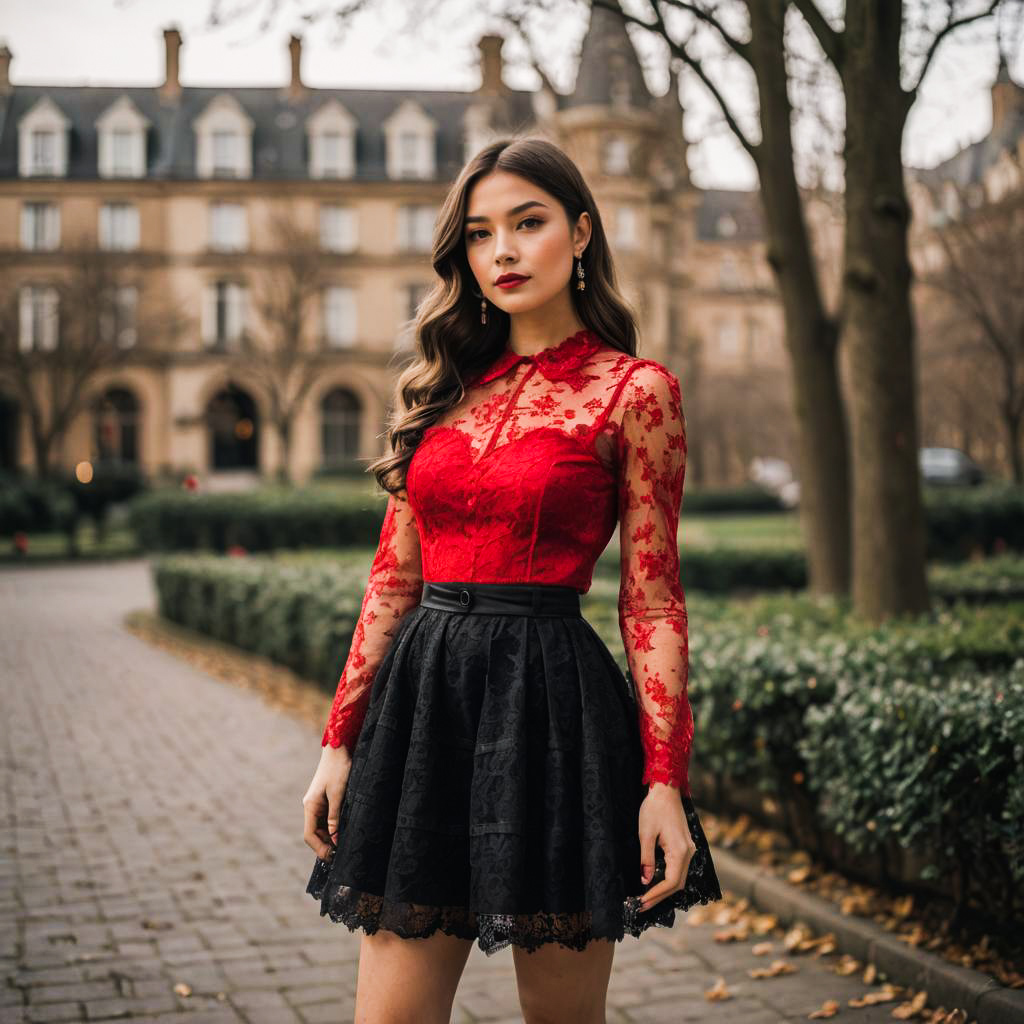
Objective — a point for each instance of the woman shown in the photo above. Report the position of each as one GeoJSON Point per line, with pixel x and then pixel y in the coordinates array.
{"type": "Point", "coordinates": [488, 773]}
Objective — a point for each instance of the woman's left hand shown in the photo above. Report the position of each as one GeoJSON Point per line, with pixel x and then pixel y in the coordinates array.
{"type": "Point", "coordinates": [663, 820]}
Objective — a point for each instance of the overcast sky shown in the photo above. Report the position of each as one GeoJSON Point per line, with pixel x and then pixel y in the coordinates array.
{"type": "Point", "coordinates": [119, 42]}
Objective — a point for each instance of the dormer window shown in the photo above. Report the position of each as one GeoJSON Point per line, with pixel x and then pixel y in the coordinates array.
{"type": "Point", "coordinates": [332, 142]}
{"type": "Point", "coordinates": [121, 134]}
{"type": "Point", "coordinates": [224, 140]}
{"type": "Point", "coordinates": [43, 141]}
{"type": "Point", "coordinates": [411, 141]}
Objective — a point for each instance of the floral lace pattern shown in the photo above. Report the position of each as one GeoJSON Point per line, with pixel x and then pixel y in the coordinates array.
{"type": "Point", "coordinates": [526, 481]}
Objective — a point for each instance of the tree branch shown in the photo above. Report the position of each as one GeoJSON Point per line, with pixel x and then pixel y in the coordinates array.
{"type": "Point", "coordinates": [740, 48]}
{"type": "Point", "coordinates": [679, 50]}
{"type": "Point", "coordinates": [950, 26]}
{"type": "Point", "coordinates": [831, 41]}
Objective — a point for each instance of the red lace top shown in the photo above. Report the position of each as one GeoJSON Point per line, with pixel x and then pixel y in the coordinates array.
{"type": "Point", "coordinates": [525, 482]}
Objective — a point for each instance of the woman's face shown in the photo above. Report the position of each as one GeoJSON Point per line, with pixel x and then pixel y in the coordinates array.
{"type": "Point", "coordinates": [514, 227]}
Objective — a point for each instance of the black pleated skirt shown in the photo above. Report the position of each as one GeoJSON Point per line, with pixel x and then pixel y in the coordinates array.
{"type": "Point", "coordinates": [496, 782]}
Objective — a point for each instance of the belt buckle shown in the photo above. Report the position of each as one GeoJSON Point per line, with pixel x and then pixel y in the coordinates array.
{"type": "Point", "coordinates": [465, 599]}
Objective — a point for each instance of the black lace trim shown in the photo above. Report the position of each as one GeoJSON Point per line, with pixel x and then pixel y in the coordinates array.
{"type": "Point", "coordinates": [493, 932]}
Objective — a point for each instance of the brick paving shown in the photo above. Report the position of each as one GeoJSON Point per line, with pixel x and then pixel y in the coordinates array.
{"type": "Point", "coordinates": [152, 840]}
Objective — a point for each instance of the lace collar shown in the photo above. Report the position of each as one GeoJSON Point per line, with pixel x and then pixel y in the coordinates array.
{"type": "Point", "coordinates": [556, 362]}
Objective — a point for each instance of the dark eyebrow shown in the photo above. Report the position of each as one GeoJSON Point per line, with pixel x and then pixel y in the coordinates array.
{"type": "Point", "coordinates": [514, 210]}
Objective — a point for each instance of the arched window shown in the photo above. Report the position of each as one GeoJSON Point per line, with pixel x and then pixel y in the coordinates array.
{"type": "Point", "coordinates": [340, 416]}
{"type": "Point", "coordinates": [233, 424]}
{"type": "Point", "coordinates": [116, 427]}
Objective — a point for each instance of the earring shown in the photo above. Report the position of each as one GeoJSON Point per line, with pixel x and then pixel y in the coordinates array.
{"type": "Point", "coordinates": [581, 283]}
{"type": "Point", "coordinates": [483, 311]}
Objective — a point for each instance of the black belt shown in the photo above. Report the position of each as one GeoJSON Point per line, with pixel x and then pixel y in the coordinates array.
{"type": "Point", "coordinates": [545, 599]}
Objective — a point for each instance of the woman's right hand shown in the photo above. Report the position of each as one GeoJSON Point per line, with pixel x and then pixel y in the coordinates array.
{"type": "Point", "coordinates": [322, 802]}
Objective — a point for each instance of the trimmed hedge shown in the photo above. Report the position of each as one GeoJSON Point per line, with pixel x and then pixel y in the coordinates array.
{"type": "Point", "coordinates": [875, 742]}
{"type": "Point", "coordinates": [257, 521]}
{"type": "Point", "coordinates": [961, 525]}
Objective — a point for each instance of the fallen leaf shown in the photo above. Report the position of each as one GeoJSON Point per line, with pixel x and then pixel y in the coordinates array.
{"type": "Point", "coordinates": [718, 992]}
{"type": "Point", "coordinates": [829, 1008]}
{"type": "Point", "coordinates": [776, 967]}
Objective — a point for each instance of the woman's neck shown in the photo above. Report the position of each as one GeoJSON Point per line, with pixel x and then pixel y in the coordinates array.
{"type": "Point", "coordinates": [541, 328]}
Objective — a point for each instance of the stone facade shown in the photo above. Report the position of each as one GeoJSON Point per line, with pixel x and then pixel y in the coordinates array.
{"type": "Point", "coordinates": [184, 183]}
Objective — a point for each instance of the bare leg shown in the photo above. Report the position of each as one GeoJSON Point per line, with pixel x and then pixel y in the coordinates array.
{"type": "Point", "coordinates": [408, 981]}
{"type": "Point", "coordinates": [562, 986]}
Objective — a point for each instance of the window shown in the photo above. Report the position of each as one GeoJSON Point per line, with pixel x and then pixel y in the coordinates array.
{"type": "Point", "coordinates": [116, 427]}
{"type": "Point", "coordinates": [40, 226]}
{"type": "Point", "coordinates": [416, 227]}
{"type": "Point", "coordinates": [728, 272]}
{"type": "Point", "coordinates": [339, 316]}
{"type": "Point", "coordinates": [338, 228]}
{"type": "Point", "coordinates": [44, 151]}
{"type": "Point", "coordinates": [410, 134]}
{"type": "Point", "coordinates": [408, 154]}
{"type": "Point", "coordinates": [414, 295]}
{"type": "Point", "coordinates": [228, 227]}
{"type": "Point", "coordinates": [728, 338]}
{"type": "Point", "coordinates": [122, 152]}
{"type": "Point", "coordinates": [224, 314]}
{"type": "Point", "coordinates": [627, 235]}
{"type": "Point", "coordinates": [38, 316]}
{"type": "Point", "coordinates": [117, 317]}
{"type": "Point", "coordinates": [616, 155]}
{"type": "Point", "coordinates": [340, 415]}
{"type": "Point", "coordinates": [119, 226]}
{"type": "Point", "coordinates": [226, 152]}
{"type": "Point", "coordinates": [331, 130]}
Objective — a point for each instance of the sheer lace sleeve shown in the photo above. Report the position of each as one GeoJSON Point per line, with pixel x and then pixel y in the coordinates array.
{"type": "Point", "coordinates": [652, 606]}
{"type": "Point", "coordinates": [394, 588]}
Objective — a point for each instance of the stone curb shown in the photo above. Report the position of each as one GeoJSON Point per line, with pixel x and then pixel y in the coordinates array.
{"type": "Point", "coordinates": [948, 985]}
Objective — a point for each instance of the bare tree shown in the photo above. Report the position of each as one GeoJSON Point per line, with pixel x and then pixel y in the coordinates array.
{"type": "Point", "coordinates": [280, 354]}
{"type": "Point", "coordinates": [980, 275]}
{"type": "Point", "coordinates": [56, 342]}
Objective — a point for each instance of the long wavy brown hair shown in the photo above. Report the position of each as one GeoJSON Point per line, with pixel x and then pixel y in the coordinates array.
{"type": "Point", "coordinates": [451, 345]}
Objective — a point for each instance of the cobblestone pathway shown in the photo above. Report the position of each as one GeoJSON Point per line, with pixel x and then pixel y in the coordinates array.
{"type": "Point", "coordinates": [152, 839]}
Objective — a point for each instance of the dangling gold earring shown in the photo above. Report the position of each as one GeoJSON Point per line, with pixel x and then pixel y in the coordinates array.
{"type": "Point", "coordinates": [581, 283]}
{"type": "Point", "coordinates": [483, 306]}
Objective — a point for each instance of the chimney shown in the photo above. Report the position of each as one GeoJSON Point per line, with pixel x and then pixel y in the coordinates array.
{"type": "Point", "coordinates": [296, 90]}
{"type": "Point", "coordinates": [491, 64]}
{"type": "Point", "coordinates": [171, 89]}
{"type": "Point", "coordinates": [5, 70]}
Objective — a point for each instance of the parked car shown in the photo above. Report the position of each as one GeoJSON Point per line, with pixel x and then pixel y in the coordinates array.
{"type": "Point", "coordinates": [949, 467]}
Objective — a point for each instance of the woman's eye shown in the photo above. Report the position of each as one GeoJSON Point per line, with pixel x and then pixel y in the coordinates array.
{"type": "Point", "coordinates": [471, 236]}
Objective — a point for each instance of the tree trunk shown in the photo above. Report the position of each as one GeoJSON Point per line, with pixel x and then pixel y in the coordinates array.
{"type": "Point", "coordinates": [284, 434]}
{"type": "Point", "coordinates": [877, 324]}
{"type": "Point", "coordinates": [810, 332]}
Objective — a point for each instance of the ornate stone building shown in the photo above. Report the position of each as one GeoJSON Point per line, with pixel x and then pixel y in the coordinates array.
{"type": "Point", "coordinates": [187, 180]}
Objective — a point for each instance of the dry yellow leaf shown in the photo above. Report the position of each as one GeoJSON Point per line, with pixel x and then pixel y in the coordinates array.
{"type": "Point", "coordinates": [776, 967]}
{"type": "Point", "coordinates": [847, 965]}
{"type": "Point", "coordinates": [829, 1008]}
{"type": "Point", "coordinates": [762, 948]}
{"type": "Point", "coordinates": [183, 989]}
{"type": "Point", "coordinates": [718, 992]}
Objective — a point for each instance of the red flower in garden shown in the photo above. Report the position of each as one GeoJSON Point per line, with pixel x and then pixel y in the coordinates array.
{"type": "Point", "coordinates": [237, 551]}
{"type": "Point", "coordinates": [21, 542]}
{"type": "Point", "coordinates": [191, 482]}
